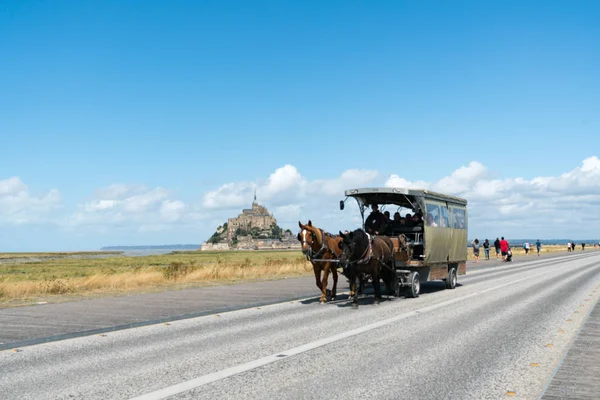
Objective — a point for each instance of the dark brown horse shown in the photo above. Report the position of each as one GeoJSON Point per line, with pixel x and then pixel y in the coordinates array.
{"type": "Point", "coordinates": [320, 245]}
{"type": "Point", "coordinates": [363, 254]}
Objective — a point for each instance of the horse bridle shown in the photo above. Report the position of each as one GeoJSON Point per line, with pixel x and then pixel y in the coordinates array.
{"type": "Point", "coordinates": [366, 255]}
{"type": "Point", "coordinates": [309, 254]}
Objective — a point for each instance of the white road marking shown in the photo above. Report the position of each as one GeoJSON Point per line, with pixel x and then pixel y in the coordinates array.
{"type": "Point", "coordinates": [238, 369]}
{"type": "Point", "coordinates": [519, 264]}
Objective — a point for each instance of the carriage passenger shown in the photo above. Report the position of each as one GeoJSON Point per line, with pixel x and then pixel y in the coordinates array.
{"type": "Point", "coordinates": [396, 224]}
{"type": "Point", "coordinates": [431, 221]}
{"type": "Point", "coordinates": [418, 220]}
{"type": "Point", "coordinates": [409, 222]}
{"type": "Point", "coordinates": [376, 221]}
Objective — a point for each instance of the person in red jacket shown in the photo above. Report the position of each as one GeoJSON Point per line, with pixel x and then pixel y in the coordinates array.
{"type": "Point", "coordinates": [504, 248]}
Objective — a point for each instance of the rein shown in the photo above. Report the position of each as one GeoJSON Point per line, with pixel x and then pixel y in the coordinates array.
{"type": "Point", "coordinates": [367, 255]}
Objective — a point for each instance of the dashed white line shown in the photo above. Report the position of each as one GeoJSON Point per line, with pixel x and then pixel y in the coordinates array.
{"type": "Point", "coordinates": [225, 373]}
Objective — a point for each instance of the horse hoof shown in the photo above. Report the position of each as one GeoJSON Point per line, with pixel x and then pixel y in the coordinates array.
{"type": "Point", "coordinates": [328, 292]}
{"type": "Point", "coordinates": [323, 302]}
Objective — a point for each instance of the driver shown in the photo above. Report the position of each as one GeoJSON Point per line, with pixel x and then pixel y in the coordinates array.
{"type": "Point", "coordinates": [376, 221]}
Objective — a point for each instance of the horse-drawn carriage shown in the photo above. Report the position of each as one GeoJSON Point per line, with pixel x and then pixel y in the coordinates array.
{"type": "Point", "coordinates": [402, 254]}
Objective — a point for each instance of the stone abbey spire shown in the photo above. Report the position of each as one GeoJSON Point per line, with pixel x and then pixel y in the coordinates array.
{"type": "Point", "coordinates": [256, 217]}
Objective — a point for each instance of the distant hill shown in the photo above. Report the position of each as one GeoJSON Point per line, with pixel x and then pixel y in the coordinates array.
{"type": "Point", "coordinates": [153, 247]}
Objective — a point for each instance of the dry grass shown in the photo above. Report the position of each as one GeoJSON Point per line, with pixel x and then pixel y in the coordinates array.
{"type": "Point", "coordinates": [52, 277]}
{"type": "Point", "coordinates": [45, 279]}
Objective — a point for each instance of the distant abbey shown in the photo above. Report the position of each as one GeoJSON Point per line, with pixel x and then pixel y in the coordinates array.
{"type": "Point", "coordinates": [254, 229]}
{"type": "Point", "coordinates": [257, 218]}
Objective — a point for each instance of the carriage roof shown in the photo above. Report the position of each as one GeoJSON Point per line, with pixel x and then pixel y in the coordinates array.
{"type": "Point", "coordinates": [398, 196]}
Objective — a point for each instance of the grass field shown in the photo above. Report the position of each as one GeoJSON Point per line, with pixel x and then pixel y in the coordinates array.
{"type": "Point", "coordinates": [27, 278]}
{"type": "Point", "coordinates": [42, 276]}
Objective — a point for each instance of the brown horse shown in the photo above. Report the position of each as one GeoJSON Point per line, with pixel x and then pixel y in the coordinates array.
{"type": "Point", "coordinates": [320, 245]}
{"type": "Point", "coordinates": [362, 254]}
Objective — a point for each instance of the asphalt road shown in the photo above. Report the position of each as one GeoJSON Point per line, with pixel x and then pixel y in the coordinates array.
{"type": "Point", "coordinates": [501, 333]}
{"type": "Point", "coordinates": [27, 325]}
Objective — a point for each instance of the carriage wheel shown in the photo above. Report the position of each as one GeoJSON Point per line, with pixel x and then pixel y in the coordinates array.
{"type": "Point", "coordinates": [415, 285]}
{"type": "Point", "coordinates": [451, 280]}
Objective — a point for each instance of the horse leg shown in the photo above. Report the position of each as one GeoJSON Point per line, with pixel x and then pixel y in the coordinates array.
{"type": "Point", "coordinates": [334, 272]}
{"type": "Point", "coordinates": [350, 277]}
{"type": "Point", "coordinates": [317, 272]}
{"type": "Point", "coordinates": [377, 288]}
{"type": "Point", "coordinates": [361, 284]}
{"type": "Point", "coordinates": [324, 284]}
{"type": "Point", "coordinates": [388, 278]}
{"type": "Point", "coordinates": [355, 297]}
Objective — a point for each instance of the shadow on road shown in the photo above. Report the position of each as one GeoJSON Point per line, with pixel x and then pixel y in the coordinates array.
{"type": "Point", "coordinates": [366, 298]}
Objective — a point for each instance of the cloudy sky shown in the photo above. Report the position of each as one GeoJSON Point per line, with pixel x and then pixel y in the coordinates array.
{"type": "Point", "coordinates": [123, 124]}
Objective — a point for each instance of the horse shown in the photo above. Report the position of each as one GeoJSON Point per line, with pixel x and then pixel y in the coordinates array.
{"type": "Point", "coordinates": [363, 254]}
{"type": "Point", "coordinates": [318, 244]}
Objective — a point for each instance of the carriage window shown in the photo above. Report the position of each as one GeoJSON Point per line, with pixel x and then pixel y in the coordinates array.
{"type": "Point", "coordinates": [445, 220]}
{"type": "Point", "coordinates": [459, 219]}
{"type": "Point", "coordinates": [433, 215]}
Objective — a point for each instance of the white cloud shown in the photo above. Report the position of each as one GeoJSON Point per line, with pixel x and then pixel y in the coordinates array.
{"type": "Point", "coordinates": [396, 181]}
{"type": "Point", "coordinates": [18, 206]}
{"type": "Point", "coordinates": [132, 208]}
{"type": "Point", "coordinates": [559, 206]}
{"type": "Point", "coordinates": [283, 179]}
{"type": "Point", "coordinates": [291, 211]}
{"type": "Point", "coordinates": [12, 186]}
{"type": "Point", "coordinates": [461, 180]}
{"type": "Point", "coordinates": [564, 205]}
{"type": "Point", "coordinates": [290, 196]}
{"type": "Point", "coordinates": [119, 191]}
{"type": "Point", "coordinates": [351, 178]}
{"type": "Point", "coordinates": [283, 187]}
{"type": "Point", "coordinates": [228, 196]}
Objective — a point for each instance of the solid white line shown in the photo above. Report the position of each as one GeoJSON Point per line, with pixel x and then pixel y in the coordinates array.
{"type": "Point", "coordinates": [225, 373]}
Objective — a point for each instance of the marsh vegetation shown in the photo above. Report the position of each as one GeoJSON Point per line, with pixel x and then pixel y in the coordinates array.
{"type": "Point", "coordinates": [26, 278]}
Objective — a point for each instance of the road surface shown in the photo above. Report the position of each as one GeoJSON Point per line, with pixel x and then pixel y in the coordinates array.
{"type": "Point", "coordinates": [502, 333]}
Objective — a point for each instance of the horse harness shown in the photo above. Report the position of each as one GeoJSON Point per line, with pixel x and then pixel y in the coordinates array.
{"type": "Point", "coordinates": [366, 257]}
{"type": "Point", "coordinates": [310, 256]}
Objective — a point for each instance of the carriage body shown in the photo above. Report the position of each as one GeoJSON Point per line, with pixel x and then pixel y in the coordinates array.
{"type": "Point", "coordinates": [435, 251]}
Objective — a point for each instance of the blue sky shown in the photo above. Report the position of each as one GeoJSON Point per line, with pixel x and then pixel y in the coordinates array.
{"type": "Point", "coordinates": [173, 100]}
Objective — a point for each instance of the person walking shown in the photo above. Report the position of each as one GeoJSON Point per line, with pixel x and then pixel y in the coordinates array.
{"type": "Point", "coordinates": [526, 247]}
{"type": "Point", "coordinates": [475, 244]}
{"type": "Point", "coordinates": [486, 249]}
{"type": "Point", "coordinates": [582, 246]}
{"type": "Point", "coordinates": [569, 246]}
{"type": "Point", "coordinates": [504, 248]}
{"type": "Point", "coordinates": [497, 247]}
{"type": "Point", "coordinates": [538, 246]}
{"type": "Point", "coordinates": [573, 245]}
